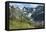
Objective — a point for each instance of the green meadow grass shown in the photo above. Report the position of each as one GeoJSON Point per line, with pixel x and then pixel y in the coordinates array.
{"type": "Point", "coordinates": [17, 24]}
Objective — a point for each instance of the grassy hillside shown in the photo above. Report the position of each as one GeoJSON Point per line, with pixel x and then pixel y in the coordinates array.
{"type": "Point", "coordinates": [18, 24]}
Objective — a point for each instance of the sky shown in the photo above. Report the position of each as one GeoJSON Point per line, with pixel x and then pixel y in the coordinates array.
{"type": "Point", "coordinates": [20, 5]}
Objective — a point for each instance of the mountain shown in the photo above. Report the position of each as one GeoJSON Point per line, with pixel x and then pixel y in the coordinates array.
{"type": "Point", "coordinates": [28, 9]}
{"type": "Point", "coordinates": [38, 14]}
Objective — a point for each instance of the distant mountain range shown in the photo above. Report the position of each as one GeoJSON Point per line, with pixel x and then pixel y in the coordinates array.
{"type": "Point", "coordinates": [37, 15]}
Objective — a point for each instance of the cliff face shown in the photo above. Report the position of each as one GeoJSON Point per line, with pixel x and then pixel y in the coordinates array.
{"type": "Point", "coordinates": [35, 12]}
{"type": "Point", "coordinates": [38, 15]}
